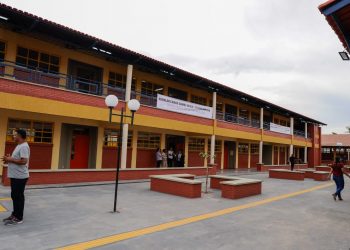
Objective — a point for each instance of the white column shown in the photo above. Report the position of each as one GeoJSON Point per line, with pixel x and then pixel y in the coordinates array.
{"type": "Point", "coordinates": [214, 105]}
{"type": "Point", "coordinates": [212, 149]}
{"type": "Point", "coordinates": [305, 155]}
{"type": "Point", "coordinates": [212, 139]}
{"type": "Point", "coordinates": [249, 154]}
{"type": "Point", "coordinates": [306, 130]}
{"type": "Point", "coordinates": [292, 134]}
{"type": "Point", "coordinates": [261, 144]}
{"type": "Point", "coordinates": [126, 126]}
{"type": "Point", "coordinates": [262, 119]}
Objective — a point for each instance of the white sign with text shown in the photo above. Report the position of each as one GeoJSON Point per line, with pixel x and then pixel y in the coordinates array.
{"type": "Point", "coordinates": [184, 107]}
{"type": "Point", "coordinates": [280, 129]}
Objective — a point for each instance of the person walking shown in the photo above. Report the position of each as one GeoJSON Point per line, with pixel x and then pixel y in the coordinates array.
{"type": "Point", "coordinates": [171, 157]}
{"type": "Point", "coordinates": [338, 177]}
{"type": "Point", "coordinates": [17, 171]}
{"type": "Point", "coordinates": [159, 157]}
{"type": "Point", "coordinates": [292, 162]}
{"type": "Point", "coordinates": [180, 159]}
{"type": "Point", "coordinates": [164, 159]}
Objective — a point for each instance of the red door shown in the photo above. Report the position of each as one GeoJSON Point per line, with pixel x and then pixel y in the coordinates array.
{"type": "Point", "coordinates": [80, 151]}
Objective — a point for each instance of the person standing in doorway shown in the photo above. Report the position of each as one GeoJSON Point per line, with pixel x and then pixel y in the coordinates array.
{"type": "Point", "coordinates": [18, 172]}
{"type": "Point", "coordinates": [180, 159]}
{"type": "Point", "coordinates": [171, 158]}
{"type": "Point", "coordinates": [338, 177]}
{"type": "Point", "coordinates": [292, 162]}
{"type": "Point", "coordinates": [159, 158]}
{"type": "Point", "coordinates": [164, 159]}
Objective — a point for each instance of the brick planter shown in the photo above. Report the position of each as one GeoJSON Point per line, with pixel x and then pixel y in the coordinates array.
{"type": "Point", "coordinates": [286, 174]}
{"type": "Point", "coordinates": [231, 191]}
{"type": "Point", "coordinates": [321, 176]}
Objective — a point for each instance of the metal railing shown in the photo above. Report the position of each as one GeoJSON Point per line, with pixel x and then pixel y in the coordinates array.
{"type": "Point", "coordinates": [237, 120]}
{"type": "Point", "coordinates": [78, 84]}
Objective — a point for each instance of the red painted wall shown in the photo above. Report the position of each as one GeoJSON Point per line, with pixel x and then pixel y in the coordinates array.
{"type": "Point", "coordinates": [146, 158]}
{"type": "Point", "coordinates": [254, 159]}
{"type": "Point", "coordinates": [275, 158]}
{"type": "Point", "coordinates": [40, 154]}
{"type": "Point", "coordinates": [282, 158]}
{"type": "Point", "coordinates": [218, 159]}
{"type": "Point", "coordinates": [242, 160]}
{"type": "Point", "coordinates": [110, 155]}
{"type": "Point", "coordinates": [70, 176]}
{"type": "Point", "coordinates": [194, 160]}
{"type": "Point", "coordinates": [314, 154]}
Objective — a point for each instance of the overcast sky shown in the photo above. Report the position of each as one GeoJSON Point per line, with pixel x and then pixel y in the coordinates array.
{"type": "Point", "coordinates": [280, 50]}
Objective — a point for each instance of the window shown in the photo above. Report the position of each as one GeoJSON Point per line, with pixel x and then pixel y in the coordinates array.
{"type": "Point", "coordinates": [275, 149]}
{"type": "Point", "coordinates": [2, 51]}
{"type": "Point", "coordinates": [199, 100]}
{"type": "Point", "coordinates": [276, 121]}
{"type": "Point", "coordinates": [255, 116]}
{"type": "Point", "coordinates": [217, 145]}
{"type": "Point", "coordinates": [117, 80]}
{"type": "Point", "coordinates": [243, 148]}
{"type": "Point", "coordinates": [151, 89]}
{"type": "Point", "coordinates": [254, 149]}
{"type": "Point", "coordinates": [111, 138]}
{"type": "Point", "coordinates": [283, 123]}
{"type": "Point", "coordinates": [196, 144]}
{"type": "Point", "coordinates": [178, 94]}
{"type": "Point", "coordinates": [40, 132]}
{"type": "Point", "coordinates": [37, 60]}
{"type": "Point", "coordinates": [282, 149]}
{"type": "Point", "coordinates": [148, 140]}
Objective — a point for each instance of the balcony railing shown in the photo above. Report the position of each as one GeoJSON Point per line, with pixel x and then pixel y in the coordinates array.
{"type": "Point", "coordinates": [237, 120]}
{"type": "Point", "coordinates": [78, 84]}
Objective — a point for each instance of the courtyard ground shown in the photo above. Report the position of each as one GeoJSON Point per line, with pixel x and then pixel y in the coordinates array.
{"type": "Point", "coordinates": [288, 215]}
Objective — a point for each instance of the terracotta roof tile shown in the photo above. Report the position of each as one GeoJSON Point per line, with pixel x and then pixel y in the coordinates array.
{"type": "Point", "coordinates": [332, 140]}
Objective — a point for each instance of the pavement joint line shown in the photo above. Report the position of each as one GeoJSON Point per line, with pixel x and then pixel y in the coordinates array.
{"type": "Point", "coordinates": [2, 208]}
{"type": "Point", "coordinates": [173, 224]}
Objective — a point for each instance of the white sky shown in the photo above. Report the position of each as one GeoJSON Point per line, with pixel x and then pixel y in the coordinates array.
{"type": "Point", "coordinates": [280, 50]}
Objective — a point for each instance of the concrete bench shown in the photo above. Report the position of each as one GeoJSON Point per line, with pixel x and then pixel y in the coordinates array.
{"type": "Point", "coordinates": [323, 168]}
{"type": "Point", "coordinates": [308, 173]}
{"type": "Point", "coordinates": [178, 184]}
{"type": "Point", "coordinates": [215, 180]}
{"type": "Point", "coordinates": [321, 176]}
{"type": "Point", "coordinates": [237, 189]}
{"type": "Point", "coordinates": [286, 174]}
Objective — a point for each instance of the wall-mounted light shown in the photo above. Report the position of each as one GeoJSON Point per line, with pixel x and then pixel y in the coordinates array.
{"type": "Point", "coordinates": [344, 55]}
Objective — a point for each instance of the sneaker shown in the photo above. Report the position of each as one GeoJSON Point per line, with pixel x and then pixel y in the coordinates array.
{"type": "Point", "coordinates": [14, 221]}
{"type": "Point", "coordinates": [334, 196]}
{"type": "Point", "coordinates": [8, 218]}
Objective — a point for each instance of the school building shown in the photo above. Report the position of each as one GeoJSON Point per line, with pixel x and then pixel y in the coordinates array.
{"type": "Point", "coordinates": [53, 81]}
{"type": "Point", "coordinates": [335, 145]}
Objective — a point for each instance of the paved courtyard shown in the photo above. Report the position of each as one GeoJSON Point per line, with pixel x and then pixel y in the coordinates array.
{"type": "Point", "coordinates": [288, 215]}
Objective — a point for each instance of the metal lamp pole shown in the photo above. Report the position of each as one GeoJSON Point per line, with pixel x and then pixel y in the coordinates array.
{"type": "Point", "coordinates": [133, 106]}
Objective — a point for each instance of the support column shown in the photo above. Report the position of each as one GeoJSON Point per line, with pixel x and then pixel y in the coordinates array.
{"type": "Point", "coordinates": [212, 140]}
{"type": "Point", "coordinates": [292, 135]}
{"type": "Point", "coordinates": [237, 155]}
{"type": "Point", "coordinates": [56, 141]}
{"type": "Point", "coordinates": [261, 144]}
{"type": "Point", "coordinates": [162, 141]}
{"type": "Point", "coordinates": [278, 155]}
{"type": "Point", "coordinates": [212, 149]}
{"type": "Point", "coordinates": [126, 126]}
{"type": "Point", "coordinates": [305, 130]}
{"type": "Point", "coordinates": [249, 154]}
{"type": "Point", "coordinates": [3, 132]}
{"type": "Point", "coordinates": [134, 148]}
{"type": "Point", "coordinates": [305, 154]}
{"type": "Point", "coordinates": [222, 154]}
{"type": "Point", "coordinates": [206, 150]}
{"type": "Point", "coordinates": [273, 155]}
{"type": "Point", "coordinates": [261, 118]}
{"type": "Point", "coordinates": [99, 152]}
{"type": "Point", "coordinates": [186, 150]}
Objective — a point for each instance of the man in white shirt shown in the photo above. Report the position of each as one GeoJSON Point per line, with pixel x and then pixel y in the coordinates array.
{"type": "Point", "coordinates": [17, 171]}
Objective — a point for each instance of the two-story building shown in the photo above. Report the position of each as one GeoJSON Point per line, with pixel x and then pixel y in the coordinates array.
{"type": "Point", "coordinates": [53, 81]}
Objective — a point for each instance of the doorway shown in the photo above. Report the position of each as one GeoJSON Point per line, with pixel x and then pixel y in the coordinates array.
{"type": "Point", "coordinates": [79, 154]}
{"type": "Point", "coordinates": [230, 155]}
{"type": "Point", "coordinates": [175, 142]}
{"type": "Point", "coordinates": [85, 77]}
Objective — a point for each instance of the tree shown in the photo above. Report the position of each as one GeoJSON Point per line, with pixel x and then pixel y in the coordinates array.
{"type": "Point", "coordinates": [206, 156]}
{"type": "Point", "coordinates": [348, 129]}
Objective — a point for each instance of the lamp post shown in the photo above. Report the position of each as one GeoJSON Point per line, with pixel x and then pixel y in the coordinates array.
{"type": "Point", "coordinates": [133, 105]}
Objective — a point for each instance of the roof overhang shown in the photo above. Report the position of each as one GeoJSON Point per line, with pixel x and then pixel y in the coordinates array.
{"type": "Point", "coordinates": [337, 14]}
